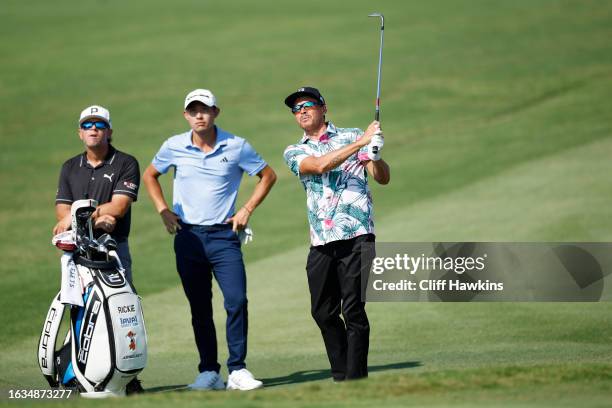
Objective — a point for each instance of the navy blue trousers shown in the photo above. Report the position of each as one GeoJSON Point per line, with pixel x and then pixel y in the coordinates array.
{"type": "Point", "coordinates": [201, 252]}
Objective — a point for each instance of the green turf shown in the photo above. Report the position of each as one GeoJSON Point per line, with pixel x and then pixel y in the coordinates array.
{"type": "Point", "coordinates": [497, 123]}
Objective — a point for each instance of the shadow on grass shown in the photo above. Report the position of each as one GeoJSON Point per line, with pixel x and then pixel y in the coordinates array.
{"type": "Point", "coordinates": [297, 377]}
{"type": "Point", "coordinates": [168, 388]}
{"type": "Point", "coordinates": [314, 375]}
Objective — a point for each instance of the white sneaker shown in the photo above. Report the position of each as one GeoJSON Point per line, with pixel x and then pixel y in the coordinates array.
{"type": "Point", "coordinates": [242, 380]}
{"type": "Point", "coordinates": [207, 380]}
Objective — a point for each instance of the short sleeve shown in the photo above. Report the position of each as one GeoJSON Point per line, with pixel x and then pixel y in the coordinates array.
{"type": "Point", "coordinates": [64, 193]}
{"type": "Point", "coordinates": [164, 159]}
{"type": "Point", "coordinates": [129, 180]}
{"type": "Point", "coordinates": [250, 161]}
{"type": "Point", "coordinates": [293, 156]}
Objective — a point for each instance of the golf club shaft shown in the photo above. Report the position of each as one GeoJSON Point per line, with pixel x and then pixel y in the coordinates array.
{"type": "Point", "coordinates": [382, 39]}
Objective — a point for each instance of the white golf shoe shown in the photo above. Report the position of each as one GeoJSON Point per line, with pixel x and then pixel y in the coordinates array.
{"type": "Point", "coordinates": [242, 380]}
{"type": "Point", "coordinates": [207, 380]}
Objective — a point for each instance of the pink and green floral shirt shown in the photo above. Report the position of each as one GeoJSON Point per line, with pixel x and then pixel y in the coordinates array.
{"type": "Point", "coordinates": [339, 202]}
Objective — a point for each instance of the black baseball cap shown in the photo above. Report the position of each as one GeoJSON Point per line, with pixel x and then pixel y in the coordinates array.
{"type": "Point", "coordinates": [304, 91]}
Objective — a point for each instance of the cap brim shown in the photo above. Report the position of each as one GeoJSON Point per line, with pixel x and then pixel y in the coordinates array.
{"type": "Point", "coordinates": [202, 102]}
{"type": "Point", "coordinates": [290, 100]}
{"type": "Point", "coordinates": [94, 117]}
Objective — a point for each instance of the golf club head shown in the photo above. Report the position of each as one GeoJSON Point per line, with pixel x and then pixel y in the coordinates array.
{"type": "Point", "coordinates": [65, 241]}
{"type": "Point", "coordinates": [81, 211]}
{"type": "Point", "coordinates": [107, 242]}
{"type": "Point", "coordinates": [382, 18]}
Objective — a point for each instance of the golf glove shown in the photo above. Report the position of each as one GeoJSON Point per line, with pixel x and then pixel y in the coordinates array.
{"type": "Point", "coordinates": [245, 235]}
{"type": "Point", "coordinates": [375, 146]}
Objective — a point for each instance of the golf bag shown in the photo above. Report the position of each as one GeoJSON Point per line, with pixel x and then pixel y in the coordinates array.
{"type": "Point", "coordinates": [106, 344]}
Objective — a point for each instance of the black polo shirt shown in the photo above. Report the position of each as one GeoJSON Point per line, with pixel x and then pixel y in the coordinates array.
{"type": "Point", "coordinates": [118, 174]}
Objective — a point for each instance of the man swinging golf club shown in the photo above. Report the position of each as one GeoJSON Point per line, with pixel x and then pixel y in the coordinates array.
{"type": "Point", "coordinates": [333, 163]}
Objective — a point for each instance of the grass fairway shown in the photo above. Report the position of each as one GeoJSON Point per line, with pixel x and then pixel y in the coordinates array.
{"type": "Point", "coordinates": [498, 128]}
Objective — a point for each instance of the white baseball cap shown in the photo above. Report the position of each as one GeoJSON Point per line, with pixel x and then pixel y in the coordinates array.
{"type": "Point", "coordinates": [201, 95]}
{"type": "Point", "coordinates": [95, 111]}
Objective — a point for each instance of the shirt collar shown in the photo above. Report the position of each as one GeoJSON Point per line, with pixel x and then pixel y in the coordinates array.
{"type": "Point", "coordinates": [109, 159]}
{"type": "Point", "coordinates": [329, 133]}
{"type": "Point", "coordinates": [222, 137]}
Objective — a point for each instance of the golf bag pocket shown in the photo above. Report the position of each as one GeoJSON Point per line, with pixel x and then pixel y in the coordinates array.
{"type": "Point", "coordinates": [110, 341]}
{"type": "Point", "coordinates": [129, 332]}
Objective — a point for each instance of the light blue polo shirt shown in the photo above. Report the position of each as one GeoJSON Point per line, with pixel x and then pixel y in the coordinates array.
{"type": "Point", "coordinates": [206, 184]}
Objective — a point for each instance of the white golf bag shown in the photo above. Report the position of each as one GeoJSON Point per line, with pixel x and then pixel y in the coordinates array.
{"type": "Point", "coordinates": [106, 344]}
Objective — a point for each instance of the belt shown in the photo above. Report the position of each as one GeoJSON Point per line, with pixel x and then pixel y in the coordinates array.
{"type": "Point", "coordinates": [206, 228]}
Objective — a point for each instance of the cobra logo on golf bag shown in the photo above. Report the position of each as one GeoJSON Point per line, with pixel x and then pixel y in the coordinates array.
{"type": "Point", "coordinates": [44, 342]}
{"type": "Point", "coordinates": [88, 330]}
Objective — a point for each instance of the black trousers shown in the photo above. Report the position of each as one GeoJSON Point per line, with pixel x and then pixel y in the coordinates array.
{"type": "Point", "coordinates": [334, 279]}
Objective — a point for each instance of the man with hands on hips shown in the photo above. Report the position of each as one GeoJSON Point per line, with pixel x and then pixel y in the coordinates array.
{"type": "Point", "coordinates": [208, 166]}
{"type": "Point", "coordinates": [332, 164]}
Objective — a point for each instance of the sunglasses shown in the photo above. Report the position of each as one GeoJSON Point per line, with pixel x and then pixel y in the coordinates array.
{"type": "Point", "coordinates": [98, 125]}
{"type": "Point", "coordinates": [307, 105]}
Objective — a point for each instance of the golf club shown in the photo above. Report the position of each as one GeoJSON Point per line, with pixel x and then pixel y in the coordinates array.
{"type": "Point", "coordinates": [382, 34]}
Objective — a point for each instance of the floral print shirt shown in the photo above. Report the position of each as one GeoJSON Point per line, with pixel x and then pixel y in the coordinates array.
{"type": "Point", "coordinates": [339, 202]}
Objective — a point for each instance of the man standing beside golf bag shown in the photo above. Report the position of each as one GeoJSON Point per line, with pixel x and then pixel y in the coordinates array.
{"type": "Point", "coordinates": [104, 174]}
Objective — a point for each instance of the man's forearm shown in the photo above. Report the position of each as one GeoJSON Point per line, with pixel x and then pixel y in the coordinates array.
{"type": "Point", "coordinates": [155, 192]}
{"type": "Point", "coordinates": [62, 211]}
{"type": "Point", "coordinates": [380, 171]}
{"type": "Point", "coordinates": [263, 187]}
{"type": "Point", "coordinates": [114, 209]}
{"type": "Point", "coordinates": [329, 161]}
